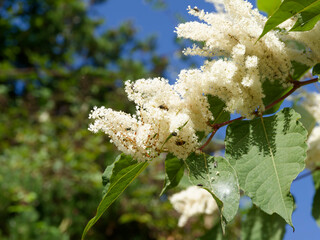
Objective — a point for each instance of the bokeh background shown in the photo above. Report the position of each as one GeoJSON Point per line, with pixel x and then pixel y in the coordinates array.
{"type": "Point", "coordinates": [60, 58]}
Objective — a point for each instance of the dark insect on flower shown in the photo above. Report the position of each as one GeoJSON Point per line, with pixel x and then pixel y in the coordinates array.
{"type": "Point", "coordinates": [174, 134]}
{"type": "Point", "coordinates": [163, 107]}
{"type": "Point", "coordinates": [196, 9]}
{"type": "Point", "coordinates": [128, 129]}
{"type": "Point", "coordinates": [180, 142]}
{"type": "Point", "coordinates": [199, 185]}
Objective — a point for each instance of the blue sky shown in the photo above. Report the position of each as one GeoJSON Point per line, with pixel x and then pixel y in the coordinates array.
{"type": "Point", "coordinates": [162, 23]}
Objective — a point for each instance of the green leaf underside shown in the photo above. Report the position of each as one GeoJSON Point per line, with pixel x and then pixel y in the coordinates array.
{"type": "Point", "coordinates": [125, 170]}
{"type": "Point", "coordinates": [316, 69]}
{"type": "Point", "coordinates": [174, 171]}
{"type": "Point", "coordinates": [217, 176]}
{"type": "Point", "coordinates": [268, 154]}
{"type": "Point", "coordinates": [269, 6]}
{"type": "Point", "coordinates": [259, 225]}
{"type": "Point", "coordinates": [288, 9]}
{"type": "Point", "coordinates": [273, 90]}
{"type": "Point", "coordinates": [316, 198]}
{"type": "Point", "coordinates": [217, 107]}
{"type": "Point", "coordinates": [307, 118]}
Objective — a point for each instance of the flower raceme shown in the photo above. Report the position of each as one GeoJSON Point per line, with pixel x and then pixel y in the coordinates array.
{"type": "Point", "coordinates": [169, 116]}
{"type": "Point", "coordinates": [162, 122]}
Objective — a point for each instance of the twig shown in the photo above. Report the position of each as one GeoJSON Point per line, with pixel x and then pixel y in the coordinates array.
{"type": "Point", "coordinates": [209, 139]}
{"type": "Point", "coordinates": [296, 85]}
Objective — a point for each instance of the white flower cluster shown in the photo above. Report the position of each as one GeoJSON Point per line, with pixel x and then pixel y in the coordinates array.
{"type": "Point", "coordinates": [163, 122]}
{"type": "Point", "coordinates": [237, 77]}
{"type": "Point", "coordinates": [193, 201]}
{"type": "Point", "coordinates": [312, 104]}
{"type": "Point", "coordinates": [168, 117]}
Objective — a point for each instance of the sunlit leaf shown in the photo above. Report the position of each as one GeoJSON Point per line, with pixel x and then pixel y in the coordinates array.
{"type": "Point", "coordinates": [216, 175]}
{"type": "Point", "coordinates": [308, 18]}
{"type": "Point", "coordinates": [267, 154]}
{"type": "Point", "coordinates": [268, 6]}
{"type": "Point", "coordinates": [288, 9]}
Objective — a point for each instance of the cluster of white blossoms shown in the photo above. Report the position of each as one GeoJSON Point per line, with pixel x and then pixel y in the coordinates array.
{"type": "Point", "coordinates": [245, 63]}
{"type": "Point", "coordinates": [191, 202]}
{"type": "Point", "coordinates": [168, 116]}
{"type": "Point", "coordinates": [162, 122]}
{"type": "Point", "coordinates": [312, 104]}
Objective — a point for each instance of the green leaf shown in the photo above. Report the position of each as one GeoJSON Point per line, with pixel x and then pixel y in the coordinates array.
{"type": "Point", "coordinates": [316, 198]}
{"type": "Point", "coordinates": [299, 69]}
{"type": "Point", "coordinates": [200, 135]}
{"type": "Point", "coordinates": [315, 206]}
{"type": "Point", "coordinates": [106, 178]}
{"type": "Point", "coordinates": [125, 170]}
{"type": "Point", "coordinates": [307, 119]}
{"type": "Point", "coordinates": [217, 108]}
{"type": "Point", "coordinates": [174, 172]}
{"type": "Point", "coordinates": [316, 69]}
{"type": "Point", "coordinates": [217, 176]}
{"type": "Point", "coordinates": [273, 91]}
{"type": "Point", "coordinates": [268, 6]}
{"type": "Point", "coordinates": [259, 225]}
{"type": "Point", "coordinates": [308, 18]}
{"type": "Point", "coordinates": [267, 154]}
{"type": "Point", "coordinates": [288, 9]}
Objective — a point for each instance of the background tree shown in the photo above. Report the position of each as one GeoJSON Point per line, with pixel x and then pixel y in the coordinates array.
{"type": "Point", "coordinates": [55, 64]}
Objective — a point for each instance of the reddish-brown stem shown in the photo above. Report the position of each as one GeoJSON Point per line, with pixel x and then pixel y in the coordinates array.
{"type": "Point", "coordinates": [296, 85]}
{"type": "Point", "coordinates": [209, 139]}
{"type": "Point", "coordinates": [219, 125]}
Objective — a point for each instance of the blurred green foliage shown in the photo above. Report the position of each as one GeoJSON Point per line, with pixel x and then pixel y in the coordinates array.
{"type": "Point", "coordinates": [55, 65]}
